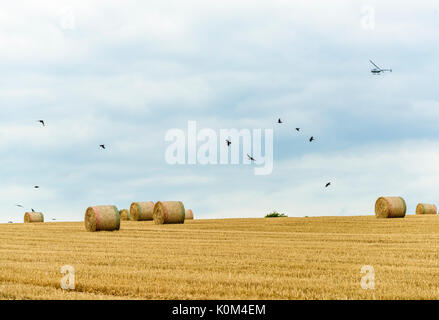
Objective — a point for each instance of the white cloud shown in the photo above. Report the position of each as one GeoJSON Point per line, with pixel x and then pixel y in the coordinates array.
{"type": "Point", "coordinates": [358, 177]}
{"type": "Point", "coordinates": [127, 72]}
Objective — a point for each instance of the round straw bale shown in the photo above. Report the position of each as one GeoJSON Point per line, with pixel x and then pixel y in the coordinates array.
{"type": "Point", "coordinates": [141, 211]}
{"type": "Point", "coordinates": [169, 212]}
{"type": "Point", "coordinates": [390, 207]}
{"type": "Point", "coordinates": [102, 218]}
{"type": "Point", "coordinates": [188, 215]}
{"type": "Point", "coordinates": [124, 214]}
{"type": "Point", "coordinates": [33, 217]}
{"type": "Point", "coordinates": [426, 208]}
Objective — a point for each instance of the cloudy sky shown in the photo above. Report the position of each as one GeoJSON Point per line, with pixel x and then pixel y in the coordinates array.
{"type": "Point", "coordinates": [123, 73]}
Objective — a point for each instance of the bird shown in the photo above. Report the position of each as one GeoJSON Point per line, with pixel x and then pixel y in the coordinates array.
{"type": "Point", "coordinates": [327, 185]}
{"type": "Point", "coordinates": [297, 129]}
{"type": "Point", "coordinates": [19, 205]}
{"type": "Point", "coordinates": [311, 139]}
{"type": "Point", "coordinates": [102, 146]}
{"type": "Point", "coordinates": [228, 142]}
{"type": "Point", "coordinates": [250, 158]}
{"type": "Point", "coordinates": [279, 121]}
{"type": "Point", "coordinates": [32, 209]}
{"type": "Point", "coordinates": [54, 219]}
{"type": "Point", "coordinates": [42, 122]}
{"type": "Point", "coordinates": [9, 221]}
{"type": "Point", "coordinates": [36, 187]}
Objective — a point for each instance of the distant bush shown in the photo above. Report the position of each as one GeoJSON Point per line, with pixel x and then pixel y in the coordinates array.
{"type": "Point", "coordinates": [275, 214]}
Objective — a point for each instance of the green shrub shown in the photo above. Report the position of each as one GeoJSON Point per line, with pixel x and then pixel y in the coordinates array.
{"type": "Point", "coordinates": [275, 214]}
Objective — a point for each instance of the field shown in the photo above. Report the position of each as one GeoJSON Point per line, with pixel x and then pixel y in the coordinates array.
{"type": "Point", "coordinates": [272, 258]}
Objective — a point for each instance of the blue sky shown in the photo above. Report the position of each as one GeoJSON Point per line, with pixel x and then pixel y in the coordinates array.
{"type": "Point", "coordinates": [123, 73]}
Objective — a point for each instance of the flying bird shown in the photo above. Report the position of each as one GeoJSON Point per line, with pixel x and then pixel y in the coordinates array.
{"type": "Point", "coordinates": [328, 184]}
{"type": "Point", "coordinates": [102, 146]}
{"type": "Point", "coordinates": [42, 122]}
{"type": "Point", "coordinates": [297, 129]}
{"type": "Point", "coordinates": [311, 139]}
{"type": "Point", "coordinates": [250, 158]}
{"type": "Point", "coordinates": [36, 187]}
{"type": "Point", "coordinates": [9, 221]}
{"type": "Point", "coordinates": [279, 121]}
{"type": "Point", "coordinates": [19, 205]}
{"type": "Point", "coordinates": [32, 209]}
{"type": "Point", "coordinates": [53, 219]}
{"type": "Point", "coordinates": [228, 142]}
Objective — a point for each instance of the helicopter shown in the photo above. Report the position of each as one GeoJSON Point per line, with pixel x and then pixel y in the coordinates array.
{"type": "Point", "coordinates": [378, 70]}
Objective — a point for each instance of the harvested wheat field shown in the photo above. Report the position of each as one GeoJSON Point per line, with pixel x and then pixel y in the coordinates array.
{"type": "Point", "coordinates": [271, 258]}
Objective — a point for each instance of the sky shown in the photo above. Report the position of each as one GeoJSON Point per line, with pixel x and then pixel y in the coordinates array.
{"type": "Point", "coordinates": [124, 73]}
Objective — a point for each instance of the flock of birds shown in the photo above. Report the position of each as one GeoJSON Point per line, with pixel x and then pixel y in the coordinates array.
{"type": "Point", "coordinates": [43, 123]}
{"type": "Point", "coordinates": [311, 139]}
{"type": "Point", "coordinates": [377, 70]}
{"type": "Point", "coordinates": [279, 121]}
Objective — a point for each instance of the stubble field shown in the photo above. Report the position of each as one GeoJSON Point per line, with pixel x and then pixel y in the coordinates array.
{"type": "Point", "coordinates": [272, 258]}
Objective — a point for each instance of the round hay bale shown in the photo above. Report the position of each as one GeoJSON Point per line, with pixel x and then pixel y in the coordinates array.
{"type": "Point", "coordinates": [99, 218]}
{"type": "Point", "coordinates": [30, 217]}
{"type": "Point", "coordinates": [390, 207]}
{"type": "Point", "coordinates": [426, 208]}
{"type": "Point", "coordinates": [169, 212]}
{"type": "Point", "coordinates": [124, 215]}
{"type": "Point", "coordinates": [188, 214]}
{"type": "Point", "coordinates": [141, 211]}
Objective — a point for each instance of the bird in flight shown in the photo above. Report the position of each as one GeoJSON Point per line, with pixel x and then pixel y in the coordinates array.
{"type": "Point", "coordinates": [32, 209]}
{"type": "Point", "coordinates": [250, 158]}
{"type": "Point", "coordinates": [297, 129]}
{"type": "Point", "coordinates": [328, 184]}
{"type": "Point", "coordinates": [19, 205]}
{"type": "Point", "coordinates": [42, 122]}
{"type": "Point", "coordinates": [311, 139]}
{"type": "Point", "coordinates": [36, 187]}
{"type": "Point", "coordinates": [102, 146]}
{"type": "Point", "coordinates": [228, 142]}
{"type": "Point", "coordinates": [53, 219]}
{"type": "Point", "coordinates": [279, 121]}
{"type": "Point", "coordinates": [9, 221]}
